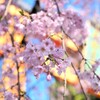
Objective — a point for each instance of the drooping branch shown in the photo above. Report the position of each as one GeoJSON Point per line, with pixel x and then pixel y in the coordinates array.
{"type": "Point", "coordinates": [77, 49]}
{"type": "Point", "coordinates": [86, 98]}
{"type": "Point", "coordinates": [17, 67]}
{"type": "Point", "coordinates": [67, 34]}
{"type": "Point", "coordinates": [83, 58]}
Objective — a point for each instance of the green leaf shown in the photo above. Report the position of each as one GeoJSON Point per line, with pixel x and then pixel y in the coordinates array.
{"type": "Point", "coordinates": [79, 97]}
{"type": "Point", "coordinates": [21, 12]}
{"type": "Point", "coordinates": [0, 18]}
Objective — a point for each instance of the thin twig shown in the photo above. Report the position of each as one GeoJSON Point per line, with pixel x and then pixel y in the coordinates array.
{"type": "Point", "coordinates": [92, 70]}
{"type": "Point", "coordinates": [6, 11]}
{"type": "Point", "coordinates": [65, 79]}
{"type": "Point", "coordinates": [12, 39]}
{"type": "Point", "coordinates": [86, 98]}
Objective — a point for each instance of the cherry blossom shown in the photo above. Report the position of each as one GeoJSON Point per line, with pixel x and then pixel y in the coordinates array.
{"type": "Point", "coordinates": [48, 77]}
{"type": "Point", "coordinates": [45, 55]}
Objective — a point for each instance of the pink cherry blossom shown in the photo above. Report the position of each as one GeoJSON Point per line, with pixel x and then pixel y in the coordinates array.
{"type": "Point", "coordinates": [48, 77]}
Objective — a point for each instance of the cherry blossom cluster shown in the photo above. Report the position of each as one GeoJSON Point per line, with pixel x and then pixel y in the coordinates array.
{"type": "Point", "coordinates": [9, 95]}
{"type": "Point", "coordinates": [3, 27]}
{"type": "Point", "coordinates": [71, 22]}
{"type": "Point", "coordinates": [2, 8]}
{"type": "Point", "coordinates": [45, 23]}
{"type": "Point", "coordinates": [4, 23]}
{"type": "Point", "coordinates": [44, 56]}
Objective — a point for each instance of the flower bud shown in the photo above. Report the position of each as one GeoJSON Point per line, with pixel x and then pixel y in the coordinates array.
{"type": "Point", "coordinates": [48, 77]}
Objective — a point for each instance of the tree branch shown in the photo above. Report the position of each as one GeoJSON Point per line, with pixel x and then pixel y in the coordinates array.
{"type": "Point", "coordinates": [18, 77]}
{"type": "Point", "coordinates": [17, 67]}
{"type": "Point", "coordinates": [6, 11]}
